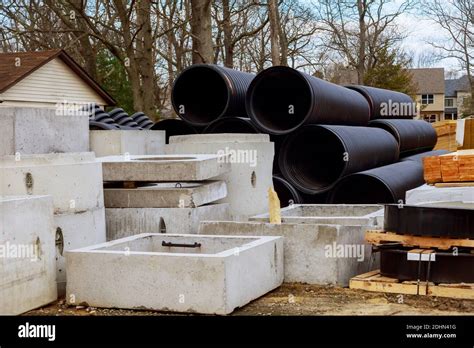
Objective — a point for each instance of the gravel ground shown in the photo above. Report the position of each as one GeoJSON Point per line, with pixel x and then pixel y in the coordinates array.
{"type": "Point", "coordinates": [301, 299]}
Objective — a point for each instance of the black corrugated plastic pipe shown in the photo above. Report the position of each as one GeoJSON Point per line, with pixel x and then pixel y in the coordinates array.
{"type": "Point", "coordinates": [286, 192]}
{"type": "Point", "coordinates": [419, 157]}
{"type": "Point", "coordinates": [281, 99]}
{"type": "Point", "coordinates": [385, 103]}
{"type": "Point", "coordinates": [202, 93]}
{"type": "Point", "coordinates": [173, 127]}
{"type": "Point", "coordinates": [315, 157]}
{"type": "Point", "coordinates": [413, 136]}
{"type": "Point", "coordinates": [387, 184]}
{"type": "Point", "coordinates": [232, 125]}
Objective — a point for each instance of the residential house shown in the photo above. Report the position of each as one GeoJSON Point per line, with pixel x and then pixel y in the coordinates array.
{"type": "Point", "coordinates": [44, 79]}
{"type": "Point", "coordinates": [456, 92]}
{"type": "Point", "coordinates": [429, 84]}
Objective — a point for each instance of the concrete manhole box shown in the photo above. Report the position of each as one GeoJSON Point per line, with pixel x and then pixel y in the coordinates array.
{"type": "Point", "coordinates": [177, 273]}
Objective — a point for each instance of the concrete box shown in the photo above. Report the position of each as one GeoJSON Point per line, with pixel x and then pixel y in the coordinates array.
{"type": "Point", "coordinates": [133, 142]}
{"type": "Point", "coordinates": [163, 168]}
{"type": "Point", "coordinates": [27, 250]}
{"type": "Point", "coordinates": [76, 230]}
{"type": "Point", "coordinates": [124, 222]}
{"type": "Point", "coordinates": [251, 157]}
{"type": "Point", "coordinates": [73, 179]}
{"type": "Point", "coordinates": [165, 195]}
{"type": "Point", "coordinates": [335, 214]}
{"type": "Point", "coordinates": [461, 197]}
{"type": "Point", "coordinates": [41, 130]}
{"type": "Point", "coordinates": [314, 253]}
{"type": "Point", "coordinates": [217, 275]}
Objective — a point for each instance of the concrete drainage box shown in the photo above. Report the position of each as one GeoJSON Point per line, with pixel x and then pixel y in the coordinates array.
{"type": "Point", "coordinates": [338, 214]}
{"type": "Point", "coordinates": [163, 168]}
{"type": "Point", "coordinates": [133, 142]}
{"type": "Point", "coordinates": [323, 244]}
{"type": "Point", "coordinates": [177, 273]}
{"type": "Point", "coordinates": [251, 157]}
{"type": "Point", "coordinates": [27, 251]}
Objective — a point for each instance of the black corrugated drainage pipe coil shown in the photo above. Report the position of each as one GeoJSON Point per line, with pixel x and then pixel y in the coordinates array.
{"type": "Point", "coordinates": [232, 125]}
{"type": "Point", "coordinates": [286, 192]}
{"type": "Point", "coordinates": [385, 103]}
{"type": "Point", "coordinates": [315, 157]}
{"type": "Point", "coordinates": [413, 136]}
{"type": "Point", "coordinates": [281, 99]}
{"type": "Point", "coordinates": [419, 157]}
{"type": "Point", "coordinates": [202, 93]}
{"type": "Point", "coordinates": [387, 184]}
{"type": "Point", "coordinates": [173, 127]}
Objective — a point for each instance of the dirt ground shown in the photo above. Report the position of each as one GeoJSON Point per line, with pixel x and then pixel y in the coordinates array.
{"type": "Point", "coordinates": [301, 299]}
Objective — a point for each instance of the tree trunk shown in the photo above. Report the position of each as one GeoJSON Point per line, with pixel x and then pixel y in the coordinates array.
{"type": "Point", "coordinates": [274, 40]}
{"type": "Point", "coordinates": [228, 44]}
{"type": "Point", "coordinates": [361, 8]}
{"type": "Point", "coordinates": [201, 31]}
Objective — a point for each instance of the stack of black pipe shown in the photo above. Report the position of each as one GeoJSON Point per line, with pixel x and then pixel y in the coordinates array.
{"type": "Point", "coordinates": [333, 144]}
{"type": "Point", "coordinates": [115, 119]}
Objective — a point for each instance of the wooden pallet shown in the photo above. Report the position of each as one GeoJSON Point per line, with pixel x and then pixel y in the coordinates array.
{"type": "Point", "coordinates": [373, 281]}
{"type": "Point", "coordinates": [378, 237]}
{"type": "Point", "coordinates": [452, 167]}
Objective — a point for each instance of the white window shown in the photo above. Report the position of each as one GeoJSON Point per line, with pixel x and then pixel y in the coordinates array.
{"type": "Point", "coordinates": [430, 118]}
{"type": "Point", "coordinates": [449, 102]}
{"type": "Point", "coordinates": [427, 99]}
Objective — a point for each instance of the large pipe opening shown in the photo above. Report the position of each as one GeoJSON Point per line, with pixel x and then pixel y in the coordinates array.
{"type": "Point", "coordinates": [286, 193]}
{"type": "Point", "coordinates": [279, 100]}
{"type": "Point", "coordinates": [361, 189]}
{"type": "Point", "coordinates": [200, 95]}
{"type": "Point", "coordinates": [313, 160]}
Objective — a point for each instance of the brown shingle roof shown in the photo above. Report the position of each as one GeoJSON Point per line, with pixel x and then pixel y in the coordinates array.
{"type": "Point", "coordinates": [428, 80]}
{"type": "Point", "coordinates": [15, 66]}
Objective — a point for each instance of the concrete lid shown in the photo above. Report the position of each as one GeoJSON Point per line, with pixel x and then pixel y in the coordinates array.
{"type": "Point", "coordinates": [46, 159]}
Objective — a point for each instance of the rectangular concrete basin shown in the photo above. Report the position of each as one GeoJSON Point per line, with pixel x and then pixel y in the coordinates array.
{"type": "Point", "coordinates": [177, 273]}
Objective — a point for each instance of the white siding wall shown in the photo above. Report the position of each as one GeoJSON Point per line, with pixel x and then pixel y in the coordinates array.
{"type": "Point", "coordinates": [52, 83]}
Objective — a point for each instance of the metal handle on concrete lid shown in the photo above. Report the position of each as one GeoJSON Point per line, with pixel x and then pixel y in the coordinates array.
{"type": "Point", "coordinates": [178, 245]}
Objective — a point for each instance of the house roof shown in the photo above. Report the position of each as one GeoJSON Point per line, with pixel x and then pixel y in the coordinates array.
{"type": "Point", "coordinates": [452, 86]}
{"type": "Point", "coordinates": [10, 73]}
{"type": "Point", "coordinates": [428, 80]}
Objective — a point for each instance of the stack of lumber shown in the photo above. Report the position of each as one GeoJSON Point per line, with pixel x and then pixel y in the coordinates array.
{"type": "Point", "coordinates": [446, 131]}
{"type": "Point", "coordinates": [456, 167]}
{"type": "Point", "coordinates": [468, 133]}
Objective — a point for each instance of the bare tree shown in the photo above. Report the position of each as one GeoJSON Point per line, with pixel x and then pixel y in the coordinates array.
{"type": "Point", "coordinates": [201, 31]}
{"type": "Point", "coordinates": [456, 17]}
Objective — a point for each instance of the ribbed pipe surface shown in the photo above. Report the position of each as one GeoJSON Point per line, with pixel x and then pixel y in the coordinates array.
{"type": "Point", "coordinates": [385, 103]}
{"type": "Point", "coordinates": [387, 184]}
{"type": "Point", "coordinates": [232, 125]}
{"type": "Point", "coordinates": [413, 136]}
{"type": "Point", "coordinates": [174, 127]}
{"type": "Point", "coordinates": [203, 93]}
{"type": "Point", "coordinates": [315, 157]}
{"type": "Point", "coordinates": [281, 99]}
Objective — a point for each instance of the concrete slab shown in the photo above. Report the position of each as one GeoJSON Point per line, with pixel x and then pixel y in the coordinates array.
{"type": "Point", "coordinates": [133, 142]}
{"type": "Point", "coordinates": [251, 158]}
{"type": "Point", "coordinates": [314, 253]}
{"type": "Point", "coordinates": [76, 230]}
{"type": "Point", "coordinates": [336, 214]}
{"type": "Point", "coordinates": [166, 195]}
{"type": "Point", "coordinates": [125, 222]}
{"type": "Point", "coordinates": [163, 168]}
{"type": "Point", "coordinates": [27, 250]}
{"type": "Point", "coordinates": [219, 275]}
{"type": "Point", "coordinates": [460, 197]}
{"type": "Point", "coordinates": [41, 130]}
{"type": "Point", "coordinates": [74, 180]}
